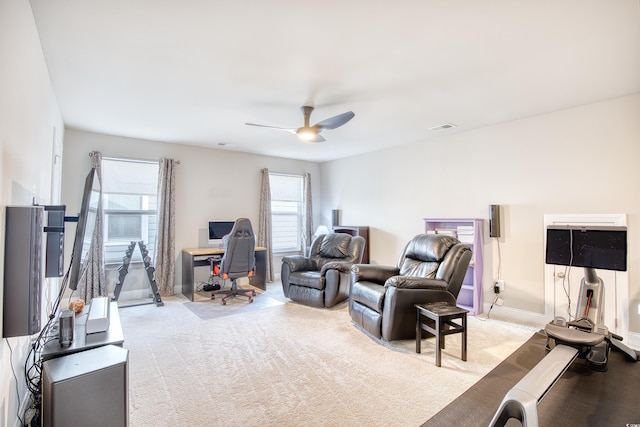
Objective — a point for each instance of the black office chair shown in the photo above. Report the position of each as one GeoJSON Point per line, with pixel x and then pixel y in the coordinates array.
{"type": "Point", "coordinates": [238, 260]}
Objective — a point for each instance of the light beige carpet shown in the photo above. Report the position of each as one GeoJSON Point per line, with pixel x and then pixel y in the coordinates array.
{"type": "Point", "coordinates": [284, 364]}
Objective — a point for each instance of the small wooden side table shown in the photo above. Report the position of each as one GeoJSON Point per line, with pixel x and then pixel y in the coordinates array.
{"type": "Point", "coordinates": [440, 314]}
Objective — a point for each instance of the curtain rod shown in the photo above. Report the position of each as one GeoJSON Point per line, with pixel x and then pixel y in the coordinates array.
{"type": "Point", "coordinates": [288, 174]}
{"type": "Point", "coordinates": [131, 159]}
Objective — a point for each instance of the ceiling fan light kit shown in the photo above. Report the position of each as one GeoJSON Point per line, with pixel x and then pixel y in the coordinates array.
{"type": "Point", "coordinates": [312, 133]}
{"type": "Point", "coordinates": [307, 133]}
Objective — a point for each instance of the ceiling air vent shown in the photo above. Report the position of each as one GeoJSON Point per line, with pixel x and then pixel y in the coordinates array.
{"type": "Point", "coordinates": [443, 127]}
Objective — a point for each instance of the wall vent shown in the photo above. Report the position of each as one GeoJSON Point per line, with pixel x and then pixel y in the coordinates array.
{"type": "Point", "coordinates": [443, 127]}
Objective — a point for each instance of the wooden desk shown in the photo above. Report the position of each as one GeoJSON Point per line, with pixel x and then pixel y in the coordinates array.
{"type": "Point", "coordinates": [82, 341]}
{"type": "Point", "coordinates": [197, 257]}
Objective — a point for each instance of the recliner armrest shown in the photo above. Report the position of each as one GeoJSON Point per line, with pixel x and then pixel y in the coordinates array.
{"type": "Point", "coordinates": [299, 263]}
{"type": "Point", "coordinates": [410, 282]}
{"type": "Point", "coordinates": [372, 273]}
{"type": "Point", "coordinates": [341, 266]}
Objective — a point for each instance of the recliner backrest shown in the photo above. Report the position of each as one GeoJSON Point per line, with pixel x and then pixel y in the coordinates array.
{"type": "Point", "coordinates": [336, 247]}
{"type": "Point", "coordinates": [430, 256]}
{"type": "Point", "coordinates": [239, 255]}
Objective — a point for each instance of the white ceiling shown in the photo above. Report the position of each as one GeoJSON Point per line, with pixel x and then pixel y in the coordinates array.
{"type": "Point", "coordinates": [194, 71]}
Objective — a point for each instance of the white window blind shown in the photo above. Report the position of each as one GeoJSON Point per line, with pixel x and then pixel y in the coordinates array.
{"type": "Point", "coordinates": [123, 176]}
{"type": "Point", "coordinates": [286, 212]}
{"type": "Point", "coordinates": [131, 206]}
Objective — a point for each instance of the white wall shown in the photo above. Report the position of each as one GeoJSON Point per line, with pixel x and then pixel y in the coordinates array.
{"type": "Point", "coordinates": [210, 184]}
{"type": "Point", "coordinates": [29, 114]}
{"type": "Point", "coordinates": [579, 160]}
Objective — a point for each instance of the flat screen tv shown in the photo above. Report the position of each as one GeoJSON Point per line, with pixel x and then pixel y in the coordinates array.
{"type": "Point", "coordinates": [219, 229]}
{"type": "Point", "coordinates": [601, 247]}
{"type": "Point", "coordinates": [84, 229]}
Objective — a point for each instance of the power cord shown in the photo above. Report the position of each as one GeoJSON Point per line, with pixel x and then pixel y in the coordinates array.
{"type": "Point", "coordinates": [566, 285]}
{"type": "Point", "coordinates": [499, 259]}
{"type": "Point", "coordinates": [496, 284]}
{"type": "Point", "coordinates": [15, 377]}
{"type": "Point", "coordinates": [492, 304]}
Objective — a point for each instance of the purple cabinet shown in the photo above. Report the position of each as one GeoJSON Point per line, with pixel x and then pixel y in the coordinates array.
{"type": "Point", "coordinates": [470, 232]}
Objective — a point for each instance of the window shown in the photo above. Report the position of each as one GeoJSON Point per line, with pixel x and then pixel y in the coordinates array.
{"type": "Point", "coordinates": [130, 203]}
{"type": "Point", "coordinates": [286, 212]}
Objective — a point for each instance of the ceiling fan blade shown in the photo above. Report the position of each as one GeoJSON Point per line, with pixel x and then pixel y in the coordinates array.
{"type": "Point", "coordinates": [312, 133]}
{"type": "Point", "coordinates": [271, 127]}
{"type": "Point", "coordinates": [335, 121]}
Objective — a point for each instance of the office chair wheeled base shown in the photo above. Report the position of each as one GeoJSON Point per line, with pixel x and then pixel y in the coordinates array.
{"type": "Point", "coordinates": [233, 293]}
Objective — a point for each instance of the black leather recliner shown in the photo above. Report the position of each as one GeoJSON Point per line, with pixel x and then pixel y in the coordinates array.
{"type": "Point", "coordinates": [322, 278]}
{"type": "Point", "coordinates": [431, 269]}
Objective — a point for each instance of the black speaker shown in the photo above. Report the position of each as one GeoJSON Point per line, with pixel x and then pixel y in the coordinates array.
{"type": "Point", "coordinates": [335, 217]}
{"type": "Point", "coordinates": [23, 253]}
{"type": "Point", "coordinates": [494, 220]}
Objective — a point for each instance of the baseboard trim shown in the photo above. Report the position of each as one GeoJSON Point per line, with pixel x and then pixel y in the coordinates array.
{"type": "Point", "coordinates": [634, 340]}
{"type": "Point", "coordinates": [514, 314]}
{"type": "Point", "coordinates": [137, 294]}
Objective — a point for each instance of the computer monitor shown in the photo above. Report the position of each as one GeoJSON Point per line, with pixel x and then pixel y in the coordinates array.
{"type": "Point", "coordinates": [601, 247]}
{"type": "Point", "coordinates": [84, 229]}
{"type": "Point", "coordinates": [219, 229]}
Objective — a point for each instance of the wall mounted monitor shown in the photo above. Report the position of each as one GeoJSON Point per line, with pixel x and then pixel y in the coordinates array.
{"type": "Point", "coordinates": [84, 229]}
{"type": "Point", "coordinates": [601, 247]}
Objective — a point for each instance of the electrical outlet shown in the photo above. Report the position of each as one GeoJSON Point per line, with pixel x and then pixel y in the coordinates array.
{"type": "Point", "coordinates": [500, 284]}
{"type": "Point", "coordinates": [499, 301]}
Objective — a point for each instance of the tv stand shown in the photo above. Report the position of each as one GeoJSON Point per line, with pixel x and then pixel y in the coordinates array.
{"type": "Point", "coordinates": [83, 341]}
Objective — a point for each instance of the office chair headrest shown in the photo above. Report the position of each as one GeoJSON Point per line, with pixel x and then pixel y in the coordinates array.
{"type": "Point", "coordinates": [242, 228]}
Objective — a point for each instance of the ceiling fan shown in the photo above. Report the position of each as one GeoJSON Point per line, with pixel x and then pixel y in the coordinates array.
{"type": "Point", "coordinates": [312, 133]}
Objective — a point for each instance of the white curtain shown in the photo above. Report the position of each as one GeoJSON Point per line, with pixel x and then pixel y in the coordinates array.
{"type": "Point", "coordinates": [307, 212]}
{"type": "Point", "coordinates": [264, 226]}
{"type": "Point", "coordinates": [165, 241]}
{"type": "Point", "coordinates": [94, 283]}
